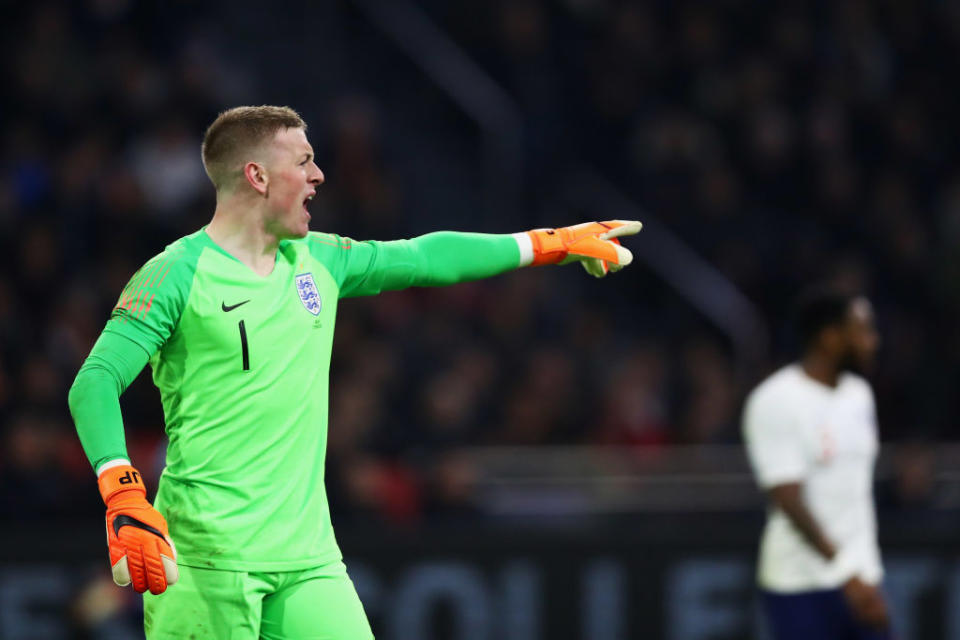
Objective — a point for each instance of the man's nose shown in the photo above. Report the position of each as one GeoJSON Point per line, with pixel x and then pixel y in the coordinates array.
{"type": "Point", "coordinates": [318, 177]}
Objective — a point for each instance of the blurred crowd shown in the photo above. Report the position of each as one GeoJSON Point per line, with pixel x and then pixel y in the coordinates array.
{"type": "Point", "coordinates": [788, 143]}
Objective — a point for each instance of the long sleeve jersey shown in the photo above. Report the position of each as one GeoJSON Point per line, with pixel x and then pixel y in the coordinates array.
{"type": "Point", "coordinates": [242, 364]}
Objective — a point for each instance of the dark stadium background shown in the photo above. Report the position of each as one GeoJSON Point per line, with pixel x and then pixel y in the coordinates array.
{"type": "Point", "coordinates": [540, 455]}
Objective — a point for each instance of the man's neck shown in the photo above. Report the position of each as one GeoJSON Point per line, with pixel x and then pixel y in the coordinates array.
{"type": "Point", "coordinates": [821, 368]}
{"type": "Point", "coordinates": [240, 232]}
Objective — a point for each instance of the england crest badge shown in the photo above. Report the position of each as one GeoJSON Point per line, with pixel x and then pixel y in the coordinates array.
{"type": "Point", "coordinates": [307, 290]}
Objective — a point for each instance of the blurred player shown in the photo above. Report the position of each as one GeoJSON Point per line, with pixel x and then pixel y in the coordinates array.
{"type": "Point", "coordinates": [236, 321]}
{"type": "Point", "coordinates": [811, 435]}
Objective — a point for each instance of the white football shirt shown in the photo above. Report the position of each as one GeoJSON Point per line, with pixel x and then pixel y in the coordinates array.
{"type": "Point", "coordinates": [799, 430]}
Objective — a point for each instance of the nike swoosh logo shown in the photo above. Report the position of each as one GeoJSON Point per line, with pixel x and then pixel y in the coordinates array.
{"type": "Point", "coordinates": [128, 521]}
{"type": "Point", "coordinates": [223, 305]}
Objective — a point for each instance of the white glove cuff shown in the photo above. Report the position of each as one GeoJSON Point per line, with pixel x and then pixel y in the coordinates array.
{"type": "Point", "coordinates": [525, 245]}
{"type": "Point", "coordinates": [119, 462]}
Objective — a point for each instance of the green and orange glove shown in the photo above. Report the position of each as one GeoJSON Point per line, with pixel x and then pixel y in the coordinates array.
{"type": "Point", "coordinates": [141, 551]}
{"type": "Point", "coordinates": [596, 245]}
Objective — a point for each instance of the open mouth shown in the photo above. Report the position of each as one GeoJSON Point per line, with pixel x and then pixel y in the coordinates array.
{"type": "Point", "coordinates": [306, 202]}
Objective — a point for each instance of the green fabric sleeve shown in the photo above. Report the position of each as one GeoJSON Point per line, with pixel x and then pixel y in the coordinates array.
{"type": "Point", "coordinates": [433, 260]}
{"type": "Point", "coordinates": [94, 398]}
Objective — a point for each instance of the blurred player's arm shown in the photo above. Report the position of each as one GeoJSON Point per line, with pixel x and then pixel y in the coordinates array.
{"type": "Point", "coordinates": [789, 499]}
{"type": "Point", "coordinates": [780, 465]}
{"type": "Point", "coordinates": [448, 257]}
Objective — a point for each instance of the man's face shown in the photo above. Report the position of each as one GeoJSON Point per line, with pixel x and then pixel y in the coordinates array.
{"type": "Point", "coordinates": [861, 338]}
{"type": "Point", "coordinates": [294, 178]}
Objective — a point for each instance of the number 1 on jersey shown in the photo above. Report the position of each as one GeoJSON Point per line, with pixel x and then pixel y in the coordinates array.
{"type": "Point", "coordinates": [243, 346]}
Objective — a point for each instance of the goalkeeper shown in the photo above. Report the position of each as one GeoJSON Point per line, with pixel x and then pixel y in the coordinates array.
{"type": "Point", "coordinates": [236, 321]}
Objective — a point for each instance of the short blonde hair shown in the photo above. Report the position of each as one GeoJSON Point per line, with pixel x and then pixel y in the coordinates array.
{"type": "Point", "coordinates": [237, 132]}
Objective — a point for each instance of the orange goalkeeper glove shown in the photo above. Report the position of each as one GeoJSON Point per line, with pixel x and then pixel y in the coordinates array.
{"type": "Point", "coordinates": [141, 550]}
{"type": "Point", "coordinates": [594, 244]}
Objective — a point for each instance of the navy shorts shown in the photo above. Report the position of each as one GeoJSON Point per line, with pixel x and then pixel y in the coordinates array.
{"type": "Point", "coordinates": [823, 615]}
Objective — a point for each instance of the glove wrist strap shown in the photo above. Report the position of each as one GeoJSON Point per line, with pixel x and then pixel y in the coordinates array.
{"type": "Point", "coordinates": [118, 479]}
{"type": "Point", "coordinates": [548, 246]}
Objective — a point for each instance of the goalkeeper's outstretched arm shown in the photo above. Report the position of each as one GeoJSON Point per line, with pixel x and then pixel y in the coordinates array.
{"type": "Point", "coordinates": [448, 257]}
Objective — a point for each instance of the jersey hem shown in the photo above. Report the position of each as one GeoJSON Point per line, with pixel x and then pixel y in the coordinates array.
{"type": "Point", "coordinates": [245, 565]}
{"type": "Point", "coordinates": [793, 589]}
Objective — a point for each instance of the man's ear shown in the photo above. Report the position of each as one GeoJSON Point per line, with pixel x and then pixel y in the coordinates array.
{"type": "Point", "coordinates": [256, 176]}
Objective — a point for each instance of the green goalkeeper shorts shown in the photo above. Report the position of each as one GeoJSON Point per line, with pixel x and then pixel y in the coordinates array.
{"type": "Point", "coordinates": [209, 604]}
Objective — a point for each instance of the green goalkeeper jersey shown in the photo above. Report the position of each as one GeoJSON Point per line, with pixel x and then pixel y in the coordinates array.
{"type": "Point", "coordinates": [242, 364]}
